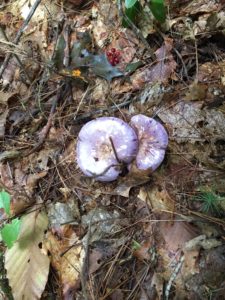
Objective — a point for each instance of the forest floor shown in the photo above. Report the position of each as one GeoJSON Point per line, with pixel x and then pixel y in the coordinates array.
{"type": "Point", "coordinates": [138, 237]}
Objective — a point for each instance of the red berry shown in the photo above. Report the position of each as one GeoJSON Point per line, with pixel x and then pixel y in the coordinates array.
{"type": "Point", "coordinates": [116, 60]}
{"type": "Point", "coordinates": [118, 53]}
{"type": "Point", "coordinates": [113, 50]}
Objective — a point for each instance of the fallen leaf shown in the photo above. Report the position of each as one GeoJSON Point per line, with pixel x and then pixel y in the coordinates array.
{"type": "Point", "coordinates": [143, 252]}
{"type": "Point", "coordinates": [100, 66]}
{"type": "Point", "coordinates": [5, 96]}
{"type": "Point", "coordinates": [157, 198]}
{"type": "Point", "coordinates": [27, 267]}
{"type": "Point", "coordinates": [176, 232]}
{"type": "Point", "coordinates": [95, 262]}
{"type": "Point", "coordinates": [200, 6]}
{"type": "Point", "coordinates": [160, 72]}
{"type": "Point", "coordinates": [134, 178]}
{"type": "Point", "coordinates": [196, 91]}
{"type": "Point", "coordinates": [3, 117]}
{"type": "Point", "coordinates": [67, 257]}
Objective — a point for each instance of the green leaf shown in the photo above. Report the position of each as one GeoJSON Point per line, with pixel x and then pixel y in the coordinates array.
{"type": "Point", "coordinates": [158, 10]}
{"type": "Point", "coordinates": [5, 201]}
{"type": "Point", "coordinates": [133, 66]}
{"type": "Point", "coordinates": [135, 245]}
{"type": "Point", "coordinates": [130, 3]}
{"type": "Point", "coordinates": [132, 14]}
{"type": "Point", "coordinates": [10, 232]}
{"type": "Point", "coordinates": [59, 52]}
{"type": "Point", "coordinates": [101, 67]}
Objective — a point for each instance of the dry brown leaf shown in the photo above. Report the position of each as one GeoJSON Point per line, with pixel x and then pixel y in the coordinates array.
{"type": "Point", "coordinates": [27, 266]}
{"type": "Point", "coordinates": [161, 71]}
{"type": "Point", "coordinates": [201, 6]}
{"type": "Point", "coordinates": [3, 117]}
{"type": "Point", "coordinates": [211, 72]}
{"type": "Point", "coordinates": [5, 96]}
{"type": "Point", "coordinates": [66, 260]}
{"type": "Point", "coordinates": [9, 72]}
{"type": "Point", "coordinates": [176, 233]}
{"type": "Point", "coordinates": [196, 91]}
{"type": "Point", "coordinates": [143, 252]}
{"type": "Point", "coordinates": [95, 257]}
{"type": "Point", "coordinates": [131, 180]}
{"type": "Point", "coordinates": [158, 199]}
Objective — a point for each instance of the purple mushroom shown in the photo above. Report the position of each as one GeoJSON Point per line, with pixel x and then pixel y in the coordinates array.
{"type": "Point", "coordinates": [103, 144]}
{"type": "Point", "coordinates": [153, 140]}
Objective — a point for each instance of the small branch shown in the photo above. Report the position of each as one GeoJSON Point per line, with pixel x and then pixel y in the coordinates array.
{"type": "Point", "coordinates": [19, 34]}
{"type": "Point", "coordinates": [2, 32]}
{"type": "Point", "coordinates": [66, 60]}
{"type": "Point", "coordinates": [48, 126]}
{"type": "Point", "coordinates": [173, 277]}
{"type": "Point", "coordinates": [101, 111]}
{"type": "Point", "coordinates": [114, 150]}
{"type": "Point", "coordinates": [85, 266]}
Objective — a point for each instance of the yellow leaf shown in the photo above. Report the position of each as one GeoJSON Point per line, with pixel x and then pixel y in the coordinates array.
{"type": "Point", "coordinates": [27, 267]}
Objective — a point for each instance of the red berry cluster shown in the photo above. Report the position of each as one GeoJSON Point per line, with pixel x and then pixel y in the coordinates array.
{"type": "Point", "coordinates": [113, 56]}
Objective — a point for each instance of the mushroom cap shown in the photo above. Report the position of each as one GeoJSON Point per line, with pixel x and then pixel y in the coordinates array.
{"type": "Point", "coordinates": [153, 140]}
{"type": "Point", "coordinates": [95, 154]}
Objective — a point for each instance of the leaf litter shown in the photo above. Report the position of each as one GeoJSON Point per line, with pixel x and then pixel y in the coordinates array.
{"type": "Point", "coordinates": [140, 237]}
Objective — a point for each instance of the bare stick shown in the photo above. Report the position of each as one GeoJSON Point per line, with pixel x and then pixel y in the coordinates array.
{"type": "Point", "coordinates": [173, 277]}
{"type": "Point", "coordinates": [66, 60]}
{"type": "Point", "coordinates": [114, 150]}
{"type": "Point", "coordinates": [18, 35]}
{"type": "Point", "coordinates": [49, 122]}
{"type": "Point", "coordinates": [2, 32]}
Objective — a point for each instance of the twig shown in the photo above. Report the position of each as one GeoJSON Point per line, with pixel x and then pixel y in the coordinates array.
{"type": "Point", "coordinates": [114, 150]}
{"type": "Point", "coordinates": [2, 32]}
{"type": "Point", "coordinates": [81, 101]}
{"type": "Point", "coordinates": [135, 29]}
{"type": "Point", "coordinates": [66, 60]}
{"type": "Point", "coordinates": [18, 35]}
{"type": "Point", "coordinates": [84, 271]}
{"type": "Point", "coordinates": [100, 111]}
{"type": "Point", "coordinates": [49, 122]}
{"type": "Point", "coordinates": [173, 277]}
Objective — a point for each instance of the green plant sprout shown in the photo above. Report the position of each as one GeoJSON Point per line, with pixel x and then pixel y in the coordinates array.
{"type": "Point", "coordinates": [135, 245]}
{"type": "Point", "coordinates": [210, 201]}
{"type": "Point", "coordinates": [9, 232]}
{"type": "Point", "coordinates": [157, 7]}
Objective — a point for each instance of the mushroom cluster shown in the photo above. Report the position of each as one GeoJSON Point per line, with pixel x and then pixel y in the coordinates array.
{"type": "Point", "coordinates": [107, 145]}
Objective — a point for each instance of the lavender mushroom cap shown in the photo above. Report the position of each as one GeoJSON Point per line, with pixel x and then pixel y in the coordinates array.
{"type": "Point", "coordinates": [153, 140]}
{"type": "Point", "coordinates": [95, 154]}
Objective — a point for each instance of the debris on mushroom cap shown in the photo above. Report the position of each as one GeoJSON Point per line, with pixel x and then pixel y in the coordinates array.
{"type": "Point", "coordinates": [153, 140]}
{"type": "Point", "coordinates": [96, 140]}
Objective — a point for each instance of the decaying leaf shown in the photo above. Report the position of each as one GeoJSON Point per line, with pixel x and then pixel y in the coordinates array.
{"type": "Point", "coordinates": [196, 91]}
{"type": "Point", "coordinates": [134, 178]}
{"type": "Point", "coordinates": [161, 71]}
{"type": "Point", "coordinates": [27, 266]}
{"type": "Point", "coordinates": [102, 223]}
{"type": "Point", "coordinates": [157, 199]}
{"type": "Point", "coordinates": [143, 252]}
{"type": "Point", "coordinates": [67, 258]}
{"type": "Point", "coordinates": [202, 6]}
{"type": "Point", "coordinates": [4, 97]}
{"type": "Point", "coordinates": [3, 117]}
{"type": "Point", "coordinates": [185, 118]}
{"type": "Point", "coordinates": [101, 67]}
